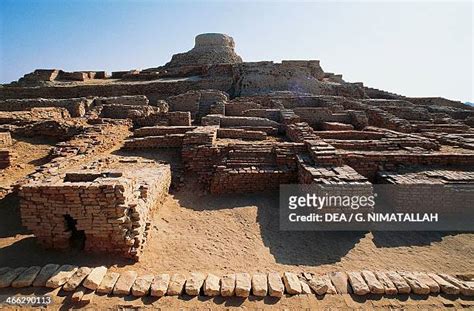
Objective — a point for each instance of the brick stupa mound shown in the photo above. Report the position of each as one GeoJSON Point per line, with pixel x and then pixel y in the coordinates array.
{"type": "Point", "coordinates": [209, 48]}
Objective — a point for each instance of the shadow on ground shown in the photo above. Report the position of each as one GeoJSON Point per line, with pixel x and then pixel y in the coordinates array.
{"type": "Point", "coordinates": [408, 238]}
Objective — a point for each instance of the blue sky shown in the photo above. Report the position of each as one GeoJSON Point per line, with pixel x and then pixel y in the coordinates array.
{"type": "Point", "coordinates": [412, 48]}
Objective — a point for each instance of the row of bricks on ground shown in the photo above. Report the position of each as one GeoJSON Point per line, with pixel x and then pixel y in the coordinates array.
{"type": "Point", "coordinates": [72, 278]}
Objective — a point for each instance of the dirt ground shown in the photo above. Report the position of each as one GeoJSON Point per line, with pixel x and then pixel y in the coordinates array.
{"type": "Point", "coordinates": [194, 231]}
{"type": "Point", "coordinates": [30, 153]}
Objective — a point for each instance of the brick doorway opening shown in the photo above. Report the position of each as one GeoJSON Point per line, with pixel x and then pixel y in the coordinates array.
{"type": "Point", "coordinates": [77, 239]}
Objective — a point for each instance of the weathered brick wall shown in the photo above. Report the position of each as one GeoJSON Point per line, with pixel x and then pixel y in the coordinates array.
{"type": "Point", "coordinates": [349, 135]}
{"type": "Point", "coordinates": [241, 134]}
{"type": "Point", "coordinates": [77, 107]}
{"type": "Point", "coordinates": [176, 118]}
{"type": "Point", "coordinates": [100, 204]}
{"type": "Point", "coordinates": [237, 108]}
{"type": "Point", "coordinates": [199, 152]}
{"type": "Point", "coordinates": [58, 129]}
{"type": "Point", "coordinates": [369, 163]}
{"type": "Point", "coordinates": [336, 126]}
{"type": "Point", "coordinates": [99, 137]}
{"type": "Point", "coordinates": [161, 130]}
{"type": "Point", "coordinates": [152, 142]}
{"type": "Point", "coordinates": [133, 112]}
{"type": "Point", "coordinates": [442, 128]}
{"type": "Point", "coordinates": [135, 100]}
{"type": "Point", "coordinates": [316, 116]}
{"type": "Point", "coordinates": [5, 139]}
{"type": "Point", "coordinates": [199, 103]}
{"type": "Point", "coordinates": [299, 132]}
{"type": "Point", "coordinates": [272, 114]}
{"type": "Point", "coordinates": [6, 158]}
{"type": "Point", "coordinates": [247, 168]}
{"type": "Point", "coordinates": [433, 186]}
{"type": "Point", "coordinates": [153, 90]}
{"type": "Point", "coordinates": [232, 180]}
{"type": "Point", "coordinates": [383, 145]}
{"type": "Point", "coordinates": [226, 121]}
{"type": "Point", "coordinates": [288, 116]}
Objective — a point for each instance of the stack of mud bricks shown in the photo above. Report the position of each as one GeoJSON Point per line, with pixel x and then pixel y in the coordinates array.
{"type": "Point", "coordinates": [108, 208]}
{"type": "Point", "coordinates": [6, 155]}
{"type": "Point", "coordinates": [158, 137]}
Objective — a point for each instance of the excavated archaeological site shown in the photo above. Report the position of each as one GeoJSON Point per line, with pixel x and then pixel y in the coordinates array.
{"type": "Point", "coordinates": [165, 182]}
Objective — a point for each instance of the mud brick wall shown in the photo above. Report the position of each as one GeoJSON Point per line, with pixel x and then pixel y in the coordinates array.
{"type": "Point", "coordinates": [298, 132]}
{"type": "Point", "coordinates": [58, 129]}
{"type": "Point", "coordinates": [97, 138]}
{"type": "Point", "coordinates": [226, 121]}
{"type": "Point", "coordinates": [217, 108]}
{"type": "Point", "coordinates": [111, 212]}
{"type": "Point", "coordinates": [316, 116]}
{"type": "Point", "coordinates": [369, 163]}
{"type": "Point", "coordinates": [409, 113]}
{"type": "Point", "coordinates": [288, 116]}
{"type": "Point", "coordinates": [433, 186]}
{"type": "Point", "coordinates": [436, 101]}
{"type": "Point", "coordinates": [308, 173]}
{"type": "Point", "coordinates": [199, 103]}
{"type": "Point", "coordinates": [161, 130]}
{"type": "Point", "coordinates": [323, 153]}
{"type": "Point", "coordinates": [135, 100]}
{"type": "Point", "coordinates": [248, 180]}
{"type": "Point", "coordinates": [164, 118]}
{"type": "Point", "coordinates": [348, 135]}
{"type": "Point", "coordinates": [383, 144]}
{"type": "Point", "coordinates": [6, 158]}
{"type": "Point", "coordinates": [237, 108]}
{"type": "Point", "coordinates": [188, 101]}
{"type": "Point", "coordinates": [358, 118]}
{"type": "Point", "coordinates": [291, 100]}
{"type": "Point", "coordinates": [153, 90]}
{"type": "Point", "coordinates": [241, 134]}
{"type": "Point", "coordinates": [444, 128]}
{"type": "Point", "coordinates": [199, 153]}
{"type": "Point", "coordinates": [116, 111]}
{"type": "Point", "coordinates": [76, 107]}
{"type": "Point", "coordinates": [272, 114]}
{"type": "Point", "coordinates": [247, 168]}
{"type": "Point", "coordinates": [46, 113]}
{"type": "Point", "coordinates": [5, 139]}
{"type": "Point", "coordinates": [73, 76]}
{"type": "Point", "coordinates": [40, 75]}
{"type": "Point", "coordinates": [380, 118]}
{"type": "Point", "coordinates": [336, 126]}
{"type": "Point", "coordinates": [151, 142]}
{"type": "Point", "coordinates": [200, 160]}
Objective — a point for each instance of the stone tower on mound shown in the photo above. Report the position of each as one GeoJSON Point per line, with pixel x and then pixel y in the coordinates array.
{"type": "Point", "coordinates": [209, 48]}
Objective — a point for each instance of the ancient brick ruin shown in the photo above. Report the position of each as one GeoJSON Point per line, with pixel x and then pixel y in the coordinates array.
{"type": "Point", "coordinates": [104, 206]}
{"type": "Point", "coordinates": [239, 127]}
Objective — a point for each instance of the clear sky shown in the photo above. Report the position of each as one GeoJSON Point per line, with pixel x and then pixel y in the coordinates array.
{"type": "Point", "coordinates": [421, 48]}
